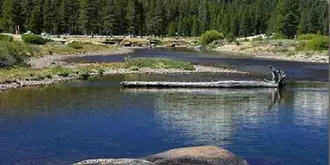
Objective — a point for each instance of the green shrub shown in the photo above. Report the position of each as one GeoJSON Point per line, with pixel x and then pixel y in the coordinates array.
{"type": "Point", "coordinates": [318, 43]}
{"type": "Point", "coordinates": [155, 41]}
{"type": "Point", "coordinates": [230, 37]}
{"type": "Point", "coordinates": [101, 72]}
{"type": "Point", "coordinates": [257, 39]}
{"type": "Point", "coordinates": [4, 37]}
{"type": "Point", "coordinates": [210, 36]}
{"type": "Point", "coordinates": [64, 74]}
{"type": "Point", "coordinates": [13, 53]}
{"type": "Point", "coordinates": [34, 39]}
{"type": "Point", "coordinates": [133, 68]}
{"type": "Point", "coordinates": [308, 36]}
{"type": "Point", "coordinates": [237, 43]}
{"type": "Point", "coordinates": [278, 36]}
{"type": "Point", "coordinates": [84, 76]}
{"type": "Point", "coordinates": [49, 76]}
{"type": "Point", "coordinates": [157, 63]}
{"type": "Point", "coordinates": [76, 45]}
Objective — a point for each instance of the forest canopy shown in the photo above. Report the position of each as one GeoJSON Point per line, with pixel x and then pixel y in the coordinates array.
{"type": "Point", "coordinates": [286, 18]}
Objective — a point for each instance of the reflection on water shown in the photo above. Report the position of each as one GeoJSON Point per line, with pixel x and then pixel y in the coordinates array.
{"type": "Point", "coordinates": [311, 108]}
{"type": "Point", "coordinates": [99, 119]}
{"type": "Point", "coordinates": [56, 99]}
{"type": "Point", "coordinates": [209, 115]}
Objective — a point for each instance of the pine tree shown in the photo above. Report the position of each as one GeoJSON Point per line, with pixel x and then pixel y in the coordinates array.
{"type": "Point", "coordinates": [287, 17]}
{"type": "Point", "coordinates": [28, 6]}
{"type": "Point", "coordinates": [203, 16]}
{"type": "Point", "coordinates": [12, 16]}
{"type": "Point", "coordinates": [132, 17]}
{"type": "Point", "coordinates": [108, 14]}
{"type": "Point", "coordinates": [289, 28]}
{"type": "Point", "coordinates": [69, 14]}
{"type": "Point", "coordinates": [159, 17]}
{"type": "Point", "coordinates": [88, 17]}
{"type": "Point", "coordinates": [247, 24]}
{"type": "Point", "coordinates": [195, 28]}
{"type": "Point", "coordinates": [303, 24]}
{"type": "Point", "coordinates": [155, 17]}
{"type": "Point", "coordinates": [120, 16]}
{"type": "Point", "coordinates": [235, 26]}
{"type": "Point", "coordinates": [50, 16]}
{"type": "Point", "coordinates": [35, 24]}
{"type": "Point", "coordinates": [313, 24]}
{"type": "Point", "coordinates": [172, 29]}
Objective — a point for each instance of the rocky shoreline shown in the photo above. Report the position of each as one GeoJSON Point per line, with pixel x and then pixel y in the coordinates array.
{"type": "Point", "coordinates": [200, 155]}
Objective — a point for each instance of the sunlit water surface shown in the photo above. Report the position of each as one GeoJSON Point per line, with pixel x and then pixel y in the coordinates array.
{"type": "Point", "coordinates": [70, 122]}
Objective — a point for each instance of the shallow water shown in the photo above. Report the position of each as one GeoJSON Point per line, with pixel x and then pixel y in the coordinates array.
{"type": "Point", "coordinates": [70, 122]}
{"type": "Point", "coordinates": [296, 71]}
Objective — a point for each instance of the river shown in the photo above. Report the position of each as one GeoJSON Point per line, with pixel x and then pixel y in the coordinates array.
{"type": "Point", "coordinates": [69, 122]}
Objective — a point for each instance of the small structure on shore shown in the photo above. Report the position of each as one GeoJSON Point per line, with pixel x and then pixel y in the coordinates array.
{"type": "Point", "coordinates": [277, 81]}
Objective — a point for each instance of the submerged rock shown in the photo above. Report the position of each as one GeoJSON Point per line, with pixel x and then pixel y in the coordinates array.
{"type": "Point", "coordinates": [114, 162]}
{"type": "Point", "coordinates": [203, 155]}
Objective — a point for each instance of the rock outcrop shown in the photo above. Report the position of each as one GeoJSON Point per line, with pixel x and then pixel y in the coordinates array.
{"type": "Point", "coordinates": [202, 155]}
{"type": "Point", "coordinates": [114, 162]}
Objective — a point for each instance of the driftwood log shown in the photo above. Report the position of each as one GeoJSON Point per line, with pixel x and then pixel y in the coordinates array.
{"type": "Point", "coordinates": [277, 81]}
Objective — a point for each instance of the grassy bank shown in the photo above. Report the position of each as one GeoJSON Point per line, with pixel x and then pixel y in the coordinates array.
{"type": "Point", "coordinates": [157, 63]}
{"type": "Point", "coordinates": [75, 47]}
{"type": "Point", "coordinates": [24, 73]}
{"type": "Point", "coordinates": [309, 48]}
{"type": "Point", "coordinates": [15, 53]}
{"type": "Point", "coordinates": [85, 70]}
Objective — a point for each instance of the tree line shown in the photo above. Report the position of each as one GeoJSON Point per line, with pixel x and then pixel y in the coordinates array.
{"type": "Point", "coordinates": [165, 17]}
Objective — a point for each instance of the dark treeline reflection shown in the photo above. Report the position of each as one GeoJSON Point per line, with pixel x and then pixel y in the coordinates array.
{"type": "Point", "coordinates": [56, 99]}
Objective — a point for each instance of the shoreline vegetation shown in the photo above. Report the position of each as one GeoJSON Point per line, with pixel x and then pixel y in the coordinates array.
{"type": "Point", "coordinates": [287, 50]}
{"type": "Point", "coordinates": [44, 63]}
{"type": "Point", "coordinates": [304, 48]}
{"type": "Point", "coordinates": [44, 58]}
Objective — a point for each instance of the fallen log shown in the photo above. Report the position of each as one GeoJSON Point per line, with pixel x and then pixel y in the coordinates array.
{"type": "Point", "coordinates": [216, 84]}
{"type": "Point", "coordinates": [276, 82]}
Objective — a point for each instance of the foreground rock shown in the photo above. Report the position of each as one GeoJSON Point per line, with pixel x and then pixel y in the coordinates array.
{"type": "Point", "coordinates": [203, 155]}
{"type": "Point", "coordinates": [114, 162]}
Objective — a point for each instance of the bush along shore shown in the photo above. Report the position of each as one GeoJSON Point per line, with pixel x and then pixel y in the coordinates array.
{"type": "Point", "coordinates": [32, 60]}
{"type": "Point", "coordinates": [22, 77]}
{"type": "Point", "coordinates": [305, 48]}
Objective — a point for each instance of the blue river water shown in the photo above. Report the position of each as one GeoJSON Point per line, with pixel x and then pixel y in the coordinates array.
{"type": "Point", "coordinates": [296, 71]}
{"type": "Point", "coordinates": [74, 121]}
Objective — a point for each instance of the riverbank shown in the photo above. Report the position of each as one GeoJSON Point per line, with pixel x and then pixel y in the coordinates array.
{"type": "Point", "coordinates": [54, 60]}
{"type": "Point", "coordinates": [273, 51]}
{"type": "Point", "coordinates": [85, 71]}
{"type": "Point", "coordinates": [50, 69]}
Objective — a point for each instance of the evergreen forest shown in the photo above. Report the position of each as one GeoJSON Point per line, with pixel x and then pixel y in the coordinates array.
{"type": "Point", "coordinates": [286, 18]}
